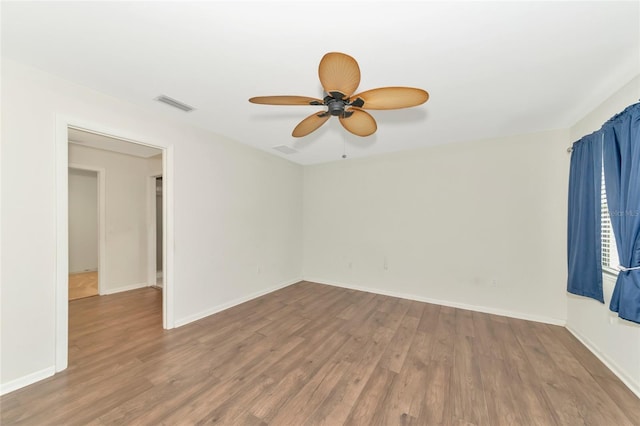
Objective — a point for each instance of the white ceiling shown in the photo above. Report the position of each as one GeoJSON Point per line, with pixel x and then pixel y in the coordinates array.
{"type": "Point", "coordinates": [492, 68]}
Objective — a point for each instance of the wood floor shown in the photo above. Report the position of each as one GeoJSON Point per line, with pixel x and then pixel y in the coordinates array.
{"type": "Point", "coordinates": [312, 354]}
{"type": "Point", "coordinates": [83, 284]}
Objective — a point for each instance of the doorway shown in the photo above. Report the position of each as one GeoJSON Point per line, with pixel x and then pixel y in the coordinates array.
{"type": "Point", "coordinates": [84, 233]}
{"type": "Point", "coordinates": [155, 208]}
{"type": "Point", "coordinates": [162, 167]}
{"type": "Point", "coordinates": [158, 231]}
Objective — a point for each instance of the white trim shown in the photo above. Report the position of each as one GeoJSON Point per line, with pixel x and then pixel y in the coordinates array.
{"type": "Point", "coordinates": [168, 320]}
{"type": "Point", "coordinates": [476, 308]}
{"type": "Point", "coordinates": [83, 271]}
{"type": "Point", "coordinates": [152, 277]}
{"type": "Point", "coordinates": [159, 277]}
{"type": "Point", "coordinates": [102, 233]}
{"type": "Point", "coordinates": [61, 248]}
{"type": "Point", "coordinates": [615, 369]}
{"type": "Point", "coordinates": [27, 380]}
{"type": "Point", "coordinates": [227, 305]}
{"type": "Point", "coordinates": [125, 288]}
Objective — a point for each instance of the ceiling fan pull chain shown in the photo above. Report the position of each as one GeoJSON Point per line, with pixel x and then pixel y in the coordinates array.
{"type": "Point", "coordinates": [344, 146]}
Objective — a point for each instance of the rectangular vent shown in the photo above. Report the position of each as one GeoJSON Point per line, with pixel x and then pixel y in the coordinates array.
{"type": "Point", "coordinates": [176, 104]}
{"type": "Point", "coordinates": [285, 149]}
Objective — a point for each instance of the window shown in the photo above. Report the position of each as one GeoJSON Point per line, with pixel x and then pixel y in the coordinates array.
{"type": "Point", "coordinates": [610, 260]}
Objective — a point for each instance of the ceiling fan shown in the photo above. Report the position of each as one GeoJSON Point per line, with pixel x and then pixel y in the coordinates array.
{"type": "Point", "coordinates": [340, 76]}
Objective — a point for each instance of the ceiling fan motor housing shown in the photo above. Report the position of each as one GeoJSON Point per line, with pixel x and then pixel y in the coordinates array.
{"type": "Point", "coordinates": [336, 107]}
{"type": "Point", "coordinates": [336, 103]}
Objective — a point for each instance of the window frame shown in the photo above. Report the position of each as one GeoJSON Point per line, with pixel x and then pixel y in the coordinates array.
{"type": "Point", "coordinates": [607, 238]}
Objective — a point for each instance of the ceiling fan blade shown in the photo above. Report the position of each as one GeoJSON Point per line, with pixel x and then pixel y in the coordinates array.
{"type": "Point", "coordinates": [285, 100]}
{"type": "Point", "coordinates": [310, 124]}
{"type": "Point", "coordinates": [339, 73]}
{"type": "Point", "coordinates": [391, 98]}
{"type": "Point", "coordinates": [360, 122]}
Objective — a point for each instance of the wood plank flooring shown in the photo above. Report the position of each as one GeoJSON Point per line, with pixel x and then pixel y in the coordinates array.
{"type": "Point", "coordinates": [312, 354]}
{"type": "Point", "coordinates": [83, 284]}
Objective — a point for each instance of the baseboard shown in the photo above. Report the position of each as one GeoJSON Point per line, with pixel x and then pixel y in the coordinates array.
{"type": "Point", "coordinates": [227, 305]}
{"type": "Point", "coordinates": [124, 288]}
{"type": "Point", "coordinates": [84, 271]}
{"type": "Point", "coordinates": [476, 308]}
{"type": "Point", "coordinates": [27, 380]}
{"type": "Point", "coordinates": [619, 372]}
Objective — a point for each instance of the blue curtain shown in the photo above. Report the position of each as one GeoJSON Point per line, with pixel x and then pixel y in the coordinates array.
{"type": "Point", "coordinates": [621, 154]}
{"type": "Point", "coordinates": [584, 244]}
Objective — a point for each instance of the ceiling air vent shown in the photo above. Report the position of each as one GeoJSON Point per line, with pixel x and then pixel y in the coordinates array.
{"type": "Point", "coordinates": [176, 104]}
{"type": "Point", "coordinates": [285, 149]}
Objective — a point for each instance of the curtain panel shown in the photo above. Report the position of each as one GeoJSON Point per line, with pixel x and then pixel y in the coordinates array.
{"type": "Point", "coordinates": [584, 232]}
{"type": "Point", "coordinates": [621, 156]}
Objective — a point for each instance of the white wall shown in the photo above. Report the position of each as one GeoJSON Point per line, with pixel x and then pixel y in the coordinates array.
{"type": "Point", "coordinates": [616, 341]}
{"type": "Point", "coordinates": [83, 220]}
{"type": "Point", "coordinates": [236, 209]}
{"type": "Point", "coordinates": [125, 215]}
{"type": "Point", "coordinates": [479, 225]}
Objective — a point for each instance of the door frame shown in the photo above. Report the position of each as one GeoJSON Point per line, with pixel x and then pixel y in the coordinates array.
{"type": "Point", "coordinates": [102, 252]}
{"type": "Point", "coordinates": [151, 230]}
{"type": "Point", "coordinates": [62, 124]}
